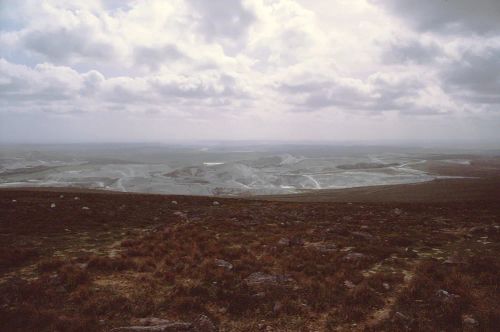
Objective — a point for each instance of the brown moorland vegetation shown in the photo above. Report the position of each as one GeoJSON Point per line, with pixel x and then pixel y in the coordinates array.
{"type": "Point", "coordinates": [189, 264]}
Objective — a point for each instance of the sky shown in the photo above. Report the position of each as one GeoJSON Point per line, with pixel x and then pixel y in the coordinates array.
{"type": "Point", "coordinates": [287, 70]}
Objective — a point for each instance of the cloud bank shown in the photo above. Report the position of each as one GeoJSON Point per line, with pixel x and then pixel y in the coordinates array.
{"type": "Point", "coordinates": [248, 69]}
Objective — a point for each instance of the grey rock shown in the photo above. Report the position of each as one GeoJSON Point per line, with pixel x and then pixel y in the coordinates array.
{"type": "Point", "coordinates": [204, 324]}
{"type": "Point", "coordinates": [284, 242]}
{"type": "Point", "coordinates": [409, 252]}
{"type": "Point", "coordinates": [323, 247]}
{"type": "Point", "coordinates": [400, 316]}
{"type": "Point", "coordinates": [224, 264]}
{"type": "Point", "coordinates": [263, 279]}
{"type": "Point", "coordinates": [354, 257]}
{"type": "Point", "coordinates": [468, 320]}
{"type": "Point", "coordinates": [349, 284]}
{"type": "Point", "coordinates": [397, 212]}
{"type": "Point", "coordinates": [296, 241]}
{"type": "Point", "coordinates": [446, 296]}
{"type": "Point", "coordinates": [363, 235]}
{"type": "Point", "coordinates": [277, 307]}
{"type": "Point", "coordinates": [166, 327]}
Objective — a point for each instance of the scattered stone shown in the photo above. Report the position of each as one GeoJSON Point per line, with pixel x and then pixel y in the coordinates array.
{"type": "Point", "coordinates": [403, 317]}
{"type": "Point", "coordinates": [53, 205]}
{"type": "Point", "coordinates": [180, 214]}
{"type": "Point", "coordinates": [354, 257]}
{"type": "Point", "coordinates": [277, 307]}
{"type": "Point", "coordinates": [349, 284]}
{"type": "Point", "coordinates": [322, 247]}
{"type": "Point", "coordinates": [337, 229]}
{"type": "Point", "coordinates": [85, 208]}
{"type": "Point", "coordinates": [296, 241]}
{"type": "Point", "coordinates": [409, 252]}
{"type": "Point", "coordinates": [14, 201]}
{"type": "Point", "coordinates": [363, 236]}
{"type": "Point", "coordinates": [446, 296]}
{"type": "Point", "coordinates": [259, 295]}
{"type": "Point", "coordinates": [167, 230]}
{"type": "Point", "coordinates": [61, 196]}
{"type": "Point", "coordinates": [82, 266]}
{"type": "Point", "coordinates": [204, 324]}
{"type": "Point", "coordinates": [397, 212]}
{"type": "Point", "coordinates": [263, 279]}
{"type": "Point", "coordinates": [284, 242]}
{"type": "Point", "coordinates": [174, 202]}
{"type": "Point", "coordinates": [76, 198]}
{"type": "Point", "coordinates": [386, 286]}
{"type": "Point", "coordinates": [224, 264]}
{"type": "Point", "coordinates": [215, 203]}
{"type": "Point", "coordinates": [151, 321]}
{"type": "Point", "coordinates": [469, 320]}
{"type": "Point", "coordinates": [454, 260]}
{"type": "Point", "coordinates": [60, 289]}
{"type": "Point", "coordinates": [168, 327]}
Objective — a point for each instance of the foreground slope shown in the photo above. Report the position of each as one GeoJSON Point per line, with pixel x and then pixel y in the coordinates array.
{"type": "Point", "coordinates": [94, 261]}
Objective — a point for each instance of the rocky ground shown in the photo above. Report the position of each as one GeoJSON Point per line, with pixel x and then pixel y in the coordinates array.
{"type": "Point", "coordinates": [94, 261]}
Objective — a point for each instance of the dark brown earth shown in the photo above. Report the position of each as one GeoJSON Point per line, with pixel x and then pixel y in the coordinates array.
{"type": "Point", "coordinates": [421, 257]}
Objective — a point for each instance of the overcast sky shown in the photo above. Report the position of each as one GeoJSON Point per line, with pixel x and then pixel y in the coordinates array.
{"type": "Point", "coordinates": [335, 70]}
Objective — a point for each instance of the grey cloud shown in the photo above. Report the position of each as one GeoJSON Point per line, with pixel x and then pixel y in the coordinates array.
{"type": "Point", "coordinates": [448, 16]}
{"type": "Point", "coordinates": [410, 52]}
{"type": "Point", "coordinates": [154, 57]}
{"type": "Point", "coordinates": [194, 88]}
{"type": "Point", "coordinates": [223, 18]}
{"type": "Point", "coordinates": [19, 84]}
{"type": "Point", "coordinates": [59, 45]}
{"type": "Point", "coordinates": [475, 76]}
{"type": "Point", "coordinates": [383, 95]}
